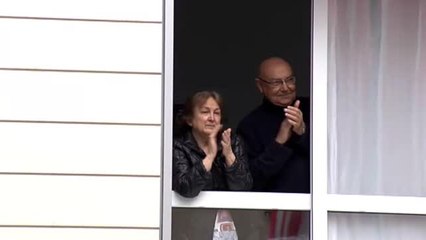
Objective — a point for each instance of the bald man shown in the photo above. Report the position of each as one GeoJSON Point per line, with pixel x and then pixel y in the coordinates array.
{"type": "Point", "coordinates": [276, 132]}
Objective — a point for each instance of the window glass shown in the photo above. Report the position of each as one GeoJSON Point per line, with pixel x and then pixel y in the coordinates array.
{"type": "Point", "coordinates": [365, 226]}
{"type": "Point", "coordinates": [249, 224]}
{"type": "Point", "coordinates": [376, 99]}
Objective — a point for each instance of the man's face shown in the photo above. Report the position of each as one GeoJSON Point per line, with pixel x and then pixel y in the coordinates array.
{"type": "Point", "coordinates": [276, 83]}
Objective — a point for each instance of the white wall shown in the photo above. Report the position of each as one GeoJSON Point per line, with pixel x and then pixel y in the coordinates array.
{"type": "Point", "coordinates": [80, 119]}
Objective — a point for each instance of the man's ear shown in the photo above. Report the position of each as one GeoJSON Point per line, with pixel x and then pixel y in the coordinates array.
{"type": "Point", "coordinates": [259, 86]}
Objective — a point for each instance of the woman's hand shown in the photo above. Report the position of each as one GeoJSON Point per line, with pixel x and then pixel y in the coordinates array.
{"type": "Point", "coordinates": [212, 142]}
{"type": "Point", "coordinates": [227, 148]}
{"type": "Point", "coordinates": [211, 148]}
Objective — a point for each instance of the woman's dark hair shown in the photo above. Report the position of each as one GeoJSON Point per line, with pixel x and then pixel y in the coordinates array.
{"type": "Point", "coordinates": [197, 99]}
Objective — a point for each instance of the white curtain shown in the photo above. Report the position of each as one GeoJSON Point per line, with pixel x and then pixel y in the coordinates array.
{"type": "Point", "coordinates": [377, 102]}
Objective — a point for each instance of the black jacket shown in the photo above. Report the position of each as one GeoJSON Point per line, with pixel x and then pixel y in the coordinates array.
{"type": "Point", "coordinates": [190, 176]}
{"type": "Point", "coordinates": [276, 167]}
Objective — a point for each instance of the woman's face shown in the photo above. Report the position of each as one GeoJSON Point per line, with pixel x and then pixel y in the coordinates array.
{"type": "Point", "coordinates": [206, 117]}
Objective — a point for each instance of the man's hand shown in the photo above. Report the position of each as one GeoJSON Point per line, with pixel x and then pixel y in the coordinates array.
{"type": "Point", "coordinates": [293, 122]}
{"type": "Point", "coordinates": [295, 118]}
{"type": "Point", "coordinates": [284, 133]}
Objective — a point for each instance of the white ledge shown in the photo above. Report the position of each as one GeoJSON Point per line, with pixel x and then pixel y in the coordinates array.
{"type": "Point", "coordinates": [376, 204]}
{"type": "Point", "coordinates": [244, 200]}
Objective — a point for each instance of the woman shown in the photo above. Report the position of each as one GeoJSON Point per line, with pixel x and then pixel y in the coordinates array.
{"type": "Point", "coordinates": [204, 158]}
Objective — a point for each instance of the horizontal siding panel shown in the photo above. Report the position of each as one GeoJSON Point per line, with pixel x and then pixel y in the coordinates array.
{"type": "Point", "coordinates": [75, 45]}
{"type": "Point", "coordinates": [80, 201]}
{"type": "Point", "coordinates": [80, 148]}
{"type": "Point", "coordinates": [139, 10]}
{"type": "Point", "coordinates": [18, 233]}
{"type": "Point", "coordinates": [80, 97]}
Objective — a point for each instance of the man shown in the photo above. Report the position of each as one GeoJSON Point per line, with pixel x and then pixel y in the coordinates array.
{"type": "Point", "coordinates": [276, 133]}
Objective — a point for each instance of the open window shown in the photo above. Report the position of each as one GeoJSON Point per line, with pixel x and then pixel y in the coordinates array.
{"type": "Point", "coordinates": [218, 46]}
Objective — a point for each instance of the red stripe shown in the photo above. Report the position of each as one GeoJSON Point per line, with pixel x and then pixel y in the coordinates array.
{"type": "Point", "coordinates": [295, 223]}
{"type": "Point", "coordinates": [272, 222]}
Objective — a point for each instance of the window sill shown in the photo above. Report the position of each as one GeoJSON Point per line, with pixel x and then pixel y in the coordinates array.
{"type": "Point", "coordinates": [244, 200]}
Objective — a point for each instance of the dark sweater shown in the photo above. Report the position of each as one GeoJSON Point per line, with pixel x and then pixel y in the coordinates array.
{"type": "Point", "coordinates": [276, 167]}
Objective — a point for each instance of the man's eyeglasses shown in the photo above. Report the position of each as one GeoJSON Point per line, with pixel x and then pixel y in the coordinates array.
{"type": "Point", "coordinates": [290, 82]}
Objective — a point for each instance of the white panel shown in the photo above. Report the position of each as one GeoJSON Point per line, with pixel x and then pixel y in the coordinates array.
{"type": "Point", "coordinates": [167, 120]}
{"type": "Point", "coordinates": [75, 148]}
{"type": "Point", "coordinates": [75, 45]}
{"type": "Point", "coordinates": [85, 97]}
{"type": "Point", "coordinates": [319, 153]}
{"type": "Point", "coordinates": [79, 201]}
{"type": "Point", "coordinates": [355, 226]}
{"type": "Point", "coordinates": [142, 10]}
{"type": "Point", "coordinates": [245, 200]}
{"type": "Point", "coordinates": [377, 204]}
{"type": "Point", "coordinates": [77, 234]}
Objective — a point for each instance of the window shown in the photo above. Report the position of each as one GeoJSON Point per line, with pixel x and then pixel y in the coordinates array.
{"type": "Point", "coordinates": [340, 38]}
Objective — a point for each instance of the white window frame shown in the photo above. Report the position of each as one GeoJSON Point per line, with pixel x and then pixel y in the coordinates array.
{"type": "Point", "coordinates": [319, 203]}
{"type": "Point", "coordinates": [319, 153]}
